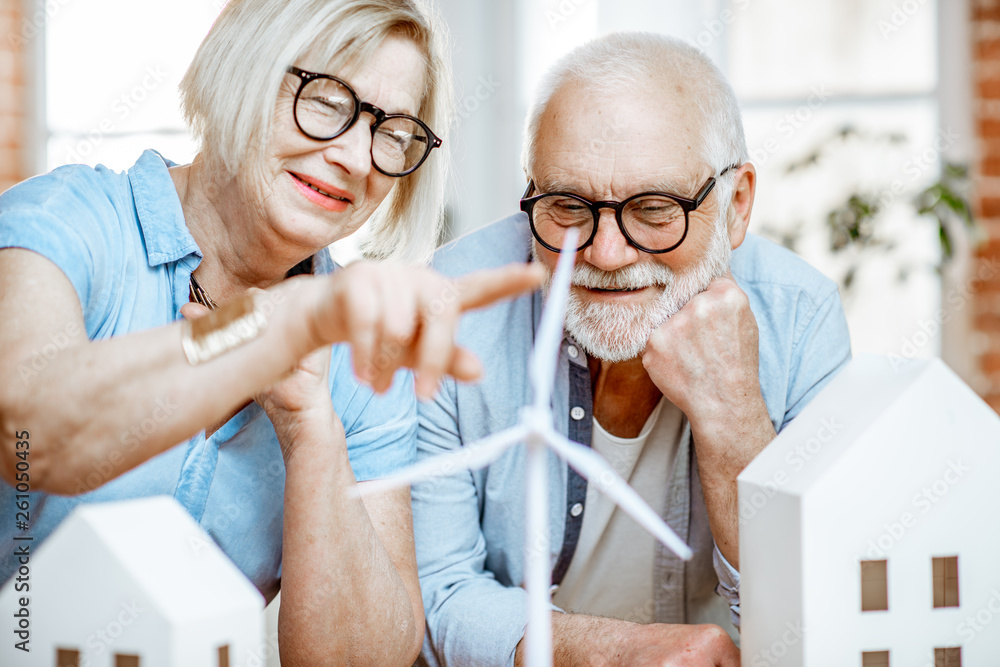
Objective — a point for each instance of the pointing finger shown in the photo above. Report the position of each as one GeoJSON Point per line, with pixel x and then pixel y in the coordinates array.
{"type": "Point", "coordinates": [484, 287]}
{"type": "Point", "coordinates": [434, 349]}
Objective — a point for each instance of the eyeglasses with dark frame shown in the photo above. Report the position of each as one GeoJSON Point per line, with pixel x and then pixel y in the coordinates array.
{"type": "Point", "coordinates": [326, 107]}
{"type": "Point", "coordinates": [653, 222]}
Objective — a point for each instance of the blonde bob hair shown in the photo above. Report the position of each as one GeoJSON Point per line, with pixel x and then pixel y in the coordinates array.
{"type": "Point", "coordinates": [230, 90]}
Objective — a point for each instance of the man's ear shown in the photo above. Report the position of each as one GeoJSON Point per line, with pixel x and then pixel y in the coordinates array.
{"type": "Point", "coordinates": [742, 203]}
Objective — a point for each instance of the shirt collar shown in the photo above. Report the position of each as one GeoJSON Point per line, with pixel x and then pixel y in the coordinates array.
{"type": "Point", "coordinates": [323, 262]}
{"type": "Point", "coordinates": [162, 217]}
{"type": "Point", "coordinates": [159, 210]}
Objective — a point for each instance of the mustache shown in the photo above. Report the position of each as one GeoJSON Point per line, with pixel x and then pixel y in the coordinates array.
{"type": "Point", "coordinates": [633, 276]}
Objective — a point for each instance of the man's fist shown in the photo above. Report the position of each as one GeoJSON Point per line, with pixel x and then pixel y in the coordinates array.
{"type": "Point", "coordinates": [705, 358]}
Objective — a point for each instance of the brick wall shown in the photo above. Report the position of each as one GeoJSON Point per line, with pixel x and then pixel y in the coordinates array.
{"type": "Point", "coordinates": [986, 108]}
{"type": "Point", "coordinates": [13, 98]}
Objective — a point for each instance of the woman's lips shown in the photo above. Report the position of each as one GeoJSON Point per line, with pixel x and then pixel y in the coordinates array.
{"type": "Point", "coordinates": [322, 194]}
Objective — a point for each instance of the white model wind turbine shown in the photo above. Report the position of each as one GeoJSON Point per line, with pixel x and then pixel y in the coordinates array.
{"type": "Point", "coordinates": [537, 432]}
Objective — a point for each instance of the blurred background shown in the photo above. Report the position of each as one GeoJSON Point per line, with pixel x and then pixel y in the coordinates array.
{"type": "Point", "coordinates": [874, 126]}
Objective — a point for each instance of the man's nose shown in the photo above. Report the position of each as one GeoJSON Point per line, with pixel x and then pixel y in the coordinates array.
{"type": "Point", "coordinates": [610, 249]}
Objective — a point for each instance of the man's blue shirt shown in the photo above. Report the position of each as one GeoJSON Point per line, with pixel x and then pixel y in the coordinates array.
{"type": "Point", "coordinates": [469, 527]}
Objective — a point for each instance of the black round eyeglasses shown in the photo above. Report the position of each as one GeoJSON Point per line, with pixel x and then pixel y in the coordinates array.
{"type": "Point", "coordinates": [326, 107]}
{"type": "Point", "coordinates": [653, 222]}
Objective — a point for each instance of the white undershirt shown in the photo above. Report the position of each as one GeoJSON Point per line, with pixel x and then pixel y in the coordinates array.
{"type": "Point", "coordinates": [612, 569]}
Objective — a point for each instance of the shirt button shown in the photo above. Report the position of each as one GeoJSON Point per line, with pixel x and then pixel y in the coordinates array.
{"type": "Point", "coordinates": [573, 352]}
{"type": "Point", "coordinates": [576, 509]}
{"type": "Point", "coordinates": [553, 588]}
{"type": "Point", "coordinates": [577, 413]}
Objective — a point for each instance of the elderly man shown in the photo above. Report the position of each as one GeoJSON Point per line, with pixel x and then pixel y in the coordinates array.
{"type": "Point", "coordinates": [681, 360]}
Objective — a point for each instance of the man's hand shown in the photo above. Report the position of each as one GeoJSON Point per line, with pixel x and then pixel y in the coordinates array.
{"type": "Point", "coordinates": [705, 360]}
{"type": "Point", "coordinates": [581, 640]}
{"type": "Point", "coordinates": [662, 645]}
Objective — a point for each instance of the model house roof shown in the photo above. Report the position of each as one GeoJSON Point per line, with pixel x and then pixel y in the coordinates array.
{"type": "Point", "coordinates": [157, 545]}
{"type": "Point", "coordinates": [877, 403]}
{"type": "Point", "coordinates": [168, 554]}
{"type": "Point", "coordinates": [133, 582]}
{"type": "Point", "coordinates": [860, 522]}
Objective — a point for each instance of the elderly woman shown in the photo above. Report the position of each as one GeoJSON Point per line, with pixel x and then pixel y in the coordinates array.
{"type": "Point", "coordinates": [314, 116]}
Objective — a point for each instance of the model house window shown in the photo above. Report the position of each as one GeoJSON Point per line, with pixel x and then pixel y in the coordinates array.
{"type": "Point", "coordinates": [224, 656]}
{"type": "Point", "coordinates": [875, 659]}
{"type": "Point", "coordinates": [948, 657]}
{"type": "Point", "coordinates": [66, 657]}
{"type": "Point", "coordinates": [945, 581]}
{"type": "Point", "coordinates": [874, 586]}
{"type": "Point", "coordinates": [123, 660]}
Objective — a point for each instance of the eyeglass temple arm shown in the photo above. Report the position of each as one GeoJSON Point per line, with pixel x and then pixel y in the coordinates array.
{"type": "Point", "coordinates": [735, 165]}
{"type": "Point", "coordinates": [700, 197]}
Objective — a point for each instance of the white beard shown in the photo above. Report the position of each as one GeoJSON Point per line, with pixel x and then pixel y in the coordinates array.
{"type": "Point", "coordinates": [617, 332]}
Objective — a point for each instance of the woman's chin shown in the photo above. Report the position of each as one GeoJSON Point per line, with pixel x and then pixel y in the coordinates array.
{"type": "Point", "coordinates": [307, 228]}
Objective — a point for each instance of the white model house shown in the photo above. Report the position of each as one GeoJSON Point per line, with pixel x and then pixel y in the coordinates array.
{"type": "Point", "coordinates": [870, 527]}
{"type": "Point", "coordinates": [135, 583]}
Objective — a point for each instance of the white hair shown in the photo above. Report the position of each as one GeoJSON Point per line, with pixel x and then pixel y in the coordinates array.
{"type": "Point", "coordinates": [230, 89]}
{"type": "Point", "coordinates": [625, 64]}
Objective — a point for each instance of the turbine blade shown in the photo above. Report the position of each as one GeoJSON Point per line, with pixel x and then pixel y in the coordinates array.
{"type": "Point", "coordinates": [543, 358]}
{"type": "Point", "coordinates": [476, 455]}
{"type": "Point", "coordinates": [596, 470]}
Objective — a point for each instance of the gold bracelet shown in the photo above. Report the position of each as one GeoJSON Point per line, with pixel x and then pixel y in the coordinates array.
{"type": "Point", "coordinates": [230, 325]}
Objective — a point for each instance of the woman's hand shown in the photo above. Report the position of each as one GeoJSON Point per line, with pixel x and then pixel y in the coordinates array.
{"type": "Point", "coordinates": [306, 388]}
{"type": "Point", "coordinates": [300, 399]}
{"type": "Point", "coordinates": [395, 316]}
